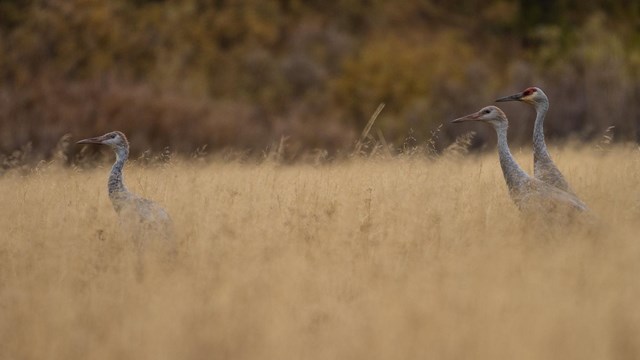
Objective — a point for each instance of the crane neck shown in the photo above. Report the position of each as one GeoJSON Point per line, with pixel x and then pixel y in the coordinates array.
{"type": "Point", "coordinates": [514, 176]}
{"type": "Point", "coordinates": [540, 152]}
{"type": "Point", "coordinates": [116, 183]}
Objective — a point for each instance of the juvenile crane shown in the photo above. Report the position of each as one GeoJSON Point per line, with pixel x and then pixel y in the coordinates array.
{"type": "Point", "coordinates": [529, 194]}
{"type": "Point", "coordinates": [543, 166]}
{"type": "Point", "coordinates": [139, 215]}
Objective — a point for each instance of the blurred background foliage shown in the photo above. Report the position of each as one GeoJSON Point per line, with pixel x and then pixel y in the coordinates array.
{"type": "Point", "coordinates": [249, 75]}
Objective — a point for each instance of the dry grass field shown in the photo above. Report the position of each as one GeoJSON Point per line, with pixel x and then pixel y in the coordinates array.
{"type": "Point", "coordinates": [404, 258]}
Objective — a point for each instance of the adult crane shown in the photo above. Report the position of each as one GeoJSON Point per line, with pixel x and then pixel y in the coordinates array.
{"type": "Point", "coordinates": [544, 168]}
{"type": "Point", "coordinates": [528, 193]}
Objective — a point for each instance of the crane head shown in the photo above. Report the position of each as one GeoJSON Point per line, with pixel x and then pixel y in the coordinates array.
{"type": "Point", "coordinates": [490, 114]}
{"type": "Point", "coordinates": [531, 95]}
{"type": "Point", "coordinates": [114, 139]}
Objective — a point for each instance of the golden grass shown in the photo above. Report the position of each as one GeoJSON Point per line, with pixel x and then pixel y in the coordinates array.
{"type": "Point", "coordinates": [367, 259]}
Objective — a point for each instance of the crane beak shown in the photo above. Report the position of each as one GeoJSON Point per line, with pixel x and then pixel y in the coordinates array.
{"type": "Point", "coordinates": [514, 97]}
{"type": "Point", "coordinates": [95, 140]}
{"type": "Point", "coordinates": [470, 117]}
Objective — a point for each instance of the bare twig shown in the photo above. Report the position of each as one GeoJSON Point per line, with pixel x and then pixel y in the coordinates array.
{"type": "Point", "coordinates": [367, 128]}
{"type": "Point", "coordinates": [384, 143]}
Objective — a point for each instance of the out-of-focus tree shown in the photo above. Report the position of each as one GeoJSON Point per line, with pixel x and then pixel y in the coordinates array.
{"type": "Point", "coordinates": [246, 73]}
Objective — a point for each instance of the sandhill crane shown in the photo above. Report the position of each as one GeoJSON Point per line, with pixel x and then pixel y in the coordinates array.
{"type": "Point", "coordinates": [529, 194]}
{"type": "Point", "coordinates": [141, 217]}
{"type": "Point", "coordinates": [543, 167]}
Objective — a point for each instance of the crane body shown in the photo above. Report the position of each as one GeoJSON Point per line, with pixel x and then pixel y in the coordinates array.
{"type": "Point", "coordinates": [528, 193]}
{"type": "Point", "coordinates": [544, 168]}
{"type": "Point", "coordinates": [139, 216]}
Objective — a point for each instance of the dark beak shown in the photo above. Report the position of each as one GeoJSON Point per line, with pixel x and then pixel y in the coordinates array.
{"type": "Point", "coordinates": [469, 117]}
{"type": "Point", "coordinates": [514, 97]}
{"type": "Point", "coordinates": [95, 140]}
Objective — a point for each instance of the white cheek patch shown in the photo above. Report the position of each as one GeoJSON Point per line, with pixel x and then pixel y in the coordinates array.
{"type": "Point", "coordinates": [111, 141]}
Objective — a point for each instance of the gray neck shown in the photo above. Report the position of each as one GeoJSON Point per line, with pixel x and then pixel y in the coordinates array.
{"type": "Point", "coordinates": [513, 173]}
{"type": "Point", "coordinates": [116, 184]}
{"type": "Point", "coordinates": [540, 153]}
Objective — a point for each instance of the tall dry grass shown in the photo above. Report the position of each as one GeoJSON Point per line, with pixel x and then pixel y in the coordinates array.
{"type": "Point", "coordinates": [404, 258]}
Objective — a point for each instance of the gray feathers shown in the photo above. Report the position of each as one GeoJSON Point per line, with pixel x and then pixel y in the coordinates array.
{"type": "Point", "coordinates": [544, 168]}
{"type": "Point", "coordinates": [138, 215]}
{"type": "Point", "coordinates": [528, 193]}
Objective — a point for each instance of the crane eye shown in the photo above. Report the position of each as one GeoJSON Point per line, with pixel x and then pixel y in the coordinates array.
{"type": "Point", "coordinates": [486, 111]}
